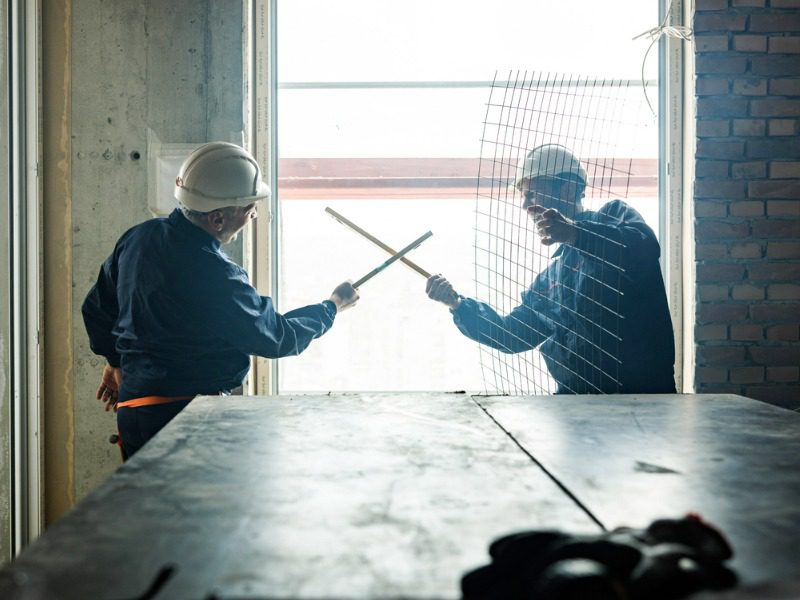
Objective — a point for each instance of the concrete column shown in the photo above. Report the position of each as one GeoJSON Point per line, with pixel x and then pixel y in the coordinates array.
{"type": "Point", "coordinates": [173, 70]}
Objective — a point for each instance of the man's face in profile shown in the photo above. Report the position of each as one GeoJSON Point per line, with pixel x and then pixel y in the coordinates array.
{"type": "Point", "coordinates": [550, 192]}
{"type": "Point", "coordinates": [237, 219]}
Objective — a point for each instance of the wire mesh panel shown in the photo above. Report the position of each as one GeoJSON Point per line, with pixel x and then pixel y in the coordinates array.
{"type": "Point", "coordinates": [558, 325]}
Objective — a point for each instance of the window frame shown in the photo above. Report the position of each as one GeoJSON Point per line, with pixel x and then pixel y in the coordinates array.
{"type": "Point", "coordinates": [675, 129]}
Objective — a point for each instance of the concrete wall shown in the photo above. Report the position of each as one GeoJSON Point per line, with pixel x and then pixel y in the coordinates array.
{"type": "Point", "coordinates": [173, 69]}
{"type": "Point", "coordinates": [5, 347]}
{"type": "Point", "coordinates": [747, 198]}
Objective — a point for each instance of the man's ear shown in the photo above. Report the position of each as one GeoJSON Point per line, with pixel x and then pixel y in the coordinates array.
{"type": "Point", "coordinates": [216, 218]}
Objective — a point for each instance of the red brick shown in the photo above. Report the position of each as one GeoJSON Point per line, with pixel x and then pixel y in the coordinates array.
{"type": "Point", "coordinates": [750, 87]}
{"type": "Point", "coordinates": [712, 168]}
{"type": "Point", "coordinates": [708, 293]}
{"type": "Point", "coordinates": [771, 148]}
{"type": "Point", "coordinates": [774, 312]}
{"type": "Point", "coordinates": [712, 374]}
{"type": "Point", "coordinates": [784, 87]}
{"type": "Point", "coordinates": [775, 356]}
{"type": "Point", "coordinates": [750, 208]}
{"type": "Point", "coordinates": [778, 127]}
{"type": "Point", "coordinates": [720, 188]}
{"type": "Point", "coordinates": [714, 230]}
{"type": "Point", "coordinates": [711, 43]}
{"type": "Point", "coordinates": [747, 375]}
{"type": "Point", "coordinates": [786, 396]}
{"type": "Point", "coordinates": [749, 170]}
{"type": "Point", "coordinates": [776, 188]}
{"type": "Point", "coordinates": [774, 271]}
{"type": "Point", "coordinates": [766, 23]}
{"type": "Point", "coordinates": [747, 292]}
{"type": "Point", "coordinates": [783, 374]}
{"type": "Point", "coordinates": [784, 45]}
{"type": "Point", "coordinates": [750, 43]}
{"type": "Point", "coordinates": [774, 65]}
{"type": "Point", "coordinates": [705, 208]}
{"type": "Point", "coordinates": [779, 250]}
{"type": "Point", "coordinates": [722, 150]}
{"type": "Point", "coordinates": [747, 250]}
{"type": "Point", "coordinates": [747, 332]}
{"type": "Point", "coordinates": [784, 168]}
{"type": "Point", "coordinates": [711, 87]}
{"type": "Point", "coordinates": [784, 291]}
{"type": "Point", "coordinates": [749, 127]}
{"type": "Point", "coordinates": [718, 388]}
{"type": "Point", "coordinates": [727, 106]}
{"type": "Point", "coordinates": [707, 273]}
{"type": "Point", "coordinates": [704, 5]}
{"type": "Point", "coordinates": [720, 355]}
{"type": "Point", "coordinates": [775, 108]}
{"type": "Point", "coordinates": [773, 228]}
{"type": "Point", "coordinates": [784, 333]}
{"type": "Point", "coordinates": [783, 208]}
{"type": "Point", "coordinates": [720, 64]}
{"type": "Point", "coordinates": [704, 333]}
{"type": "Point", "coordinates": [710, 251]}
{"type": "Point", "coordinates": [724, 23]}
{"type": "Point", "coordinates": [721, 313]}
{"type": "Point", "coordinates": [713, 128]}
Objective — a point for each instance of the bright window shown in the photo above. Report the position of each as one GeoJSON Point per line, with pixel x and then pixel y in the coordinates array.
{"type": "Point", "coordinates": [380, 116]}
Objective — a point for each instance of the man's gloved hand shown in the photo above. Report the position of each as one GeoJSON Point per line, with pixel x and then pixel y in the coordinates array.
{"type": "Point", "coordinates": [552, 226]}
{"type": "Point", "coordinates": [441, 290]}
{"type": "Point", "coordinates": [344, 296]}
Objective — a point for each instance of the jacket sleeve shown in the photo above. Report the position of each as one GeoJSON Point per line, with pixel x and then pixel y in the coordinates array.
{"type": "Point", "coordinates": [621, 239]}
{"type": "Point", "coordinates": [250, 323]}
{"type": "Point", "coordinates": [522, 329]}
{"type": "Point", "coordinates": [100, 311]}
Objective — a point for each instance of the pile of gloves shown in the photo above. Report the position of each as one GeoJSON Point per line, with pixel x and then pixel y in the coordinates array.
{"type": "Point", "coordinates": [670, 559]}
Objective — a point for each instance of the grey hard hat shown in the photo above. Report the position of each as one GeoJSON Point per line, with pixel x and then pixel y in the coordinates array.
{"type": "Point", "coordinates": [219, 174]}
{"type": "Point", "coordinates": [549, 160]}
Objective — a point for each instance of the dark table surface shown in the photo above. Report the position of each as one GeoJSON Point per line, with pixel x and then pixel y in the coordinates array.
{"type": "Point", "coordinates": [397, 495]}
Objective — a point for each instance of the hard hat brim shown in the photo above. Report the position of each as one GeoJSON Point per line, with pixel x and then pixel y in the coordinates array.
{"type": "Point", "coordinates": [202, 203]}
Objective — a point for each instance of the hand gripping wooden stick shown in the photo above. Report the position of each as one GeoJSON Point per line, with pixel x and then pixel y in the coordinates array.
{"type": "Point", "coordinates": [393, 259]}
{"type": "Point", "coordinates": [347, 223]}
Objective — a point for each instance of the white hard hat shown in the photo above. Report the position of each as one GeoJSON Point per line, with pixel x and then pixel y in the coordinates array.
{"type": "Point", "coordinates": [549, 160]}
{"type": "Point", "coordinates": [219, 174]}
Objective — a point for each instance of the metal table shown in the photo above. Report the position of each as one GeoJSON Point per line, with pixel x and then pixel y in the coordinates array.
{"type": "Point", "coordinates": [397, 495]}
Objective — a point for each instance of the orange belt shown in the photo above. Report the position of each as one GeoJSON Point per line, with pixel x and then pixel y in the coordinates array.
{"type": "Point", "coordinates": [151, 400]}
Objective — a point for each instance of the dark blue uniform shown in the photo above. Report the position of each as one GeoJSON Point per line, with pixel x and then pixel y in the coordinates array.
{"type": "Point", "coordinates": [181, 319]}
{"type": "Point", "coordinates": [598, 312]}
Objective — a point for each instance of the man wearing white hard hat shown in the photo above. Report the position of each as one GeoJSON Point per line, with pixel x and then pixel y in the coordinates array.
{"type": "Point", "coordinates": [174, 316]}
{"type": "Point", "coordinates": [598, 313]}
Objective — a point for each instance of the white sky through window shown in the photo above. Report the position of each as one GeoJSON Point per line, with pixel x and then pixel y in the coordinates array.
{"type": "Point", "coordinates": [395, 338]}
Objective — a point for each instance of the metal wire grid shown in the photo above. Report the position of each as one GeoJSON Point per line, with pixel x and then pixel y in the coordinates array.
{"type": "Point", "coordinates": [585, 115]}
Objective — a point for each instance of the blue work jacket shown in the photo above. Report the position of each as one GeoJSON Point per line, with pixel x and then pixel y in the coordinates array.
{"type": "Point", "coordinates": [180, 318]}
{"type": "Point", "coordinates": [598, 312]}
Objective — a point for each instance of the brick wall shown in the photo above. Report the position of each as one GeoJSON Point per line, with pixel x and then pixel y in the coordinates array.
{"type": "Point", "coordinates": [747, 198]}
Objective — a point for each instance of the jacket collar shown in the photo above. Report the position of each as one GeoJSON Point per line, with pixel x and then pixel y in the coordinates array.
{"type": "Point", "coordinates": [192, 231]}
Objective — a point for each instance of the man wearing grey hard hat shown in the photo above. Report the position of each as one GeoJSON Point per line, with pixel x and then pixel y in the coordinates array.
{"type": "Point", "coordinates": [174, 317]}
{"type": "Point", "coordinates": [598, 313]}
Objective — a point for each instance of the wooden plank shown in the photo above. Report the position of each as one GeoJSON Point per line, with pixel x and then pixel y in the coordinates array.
{"type": "Point", "coordinates": [632, 459]}
{"type": "Point", "coordinates": [356, 496]}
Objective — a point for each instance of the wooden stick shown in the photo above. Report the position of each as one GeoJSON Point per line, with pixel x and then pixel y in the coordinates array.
{"type": "Point", "coordinates": [376, 241]}
{"type": "Point", "coordinates": [394, 258]}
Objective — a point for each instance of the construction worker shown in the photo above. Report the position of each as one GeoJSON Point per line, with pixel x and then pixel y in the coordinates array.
{"type": "Point", "coordinates": [598, 312]}
{"type": "Point", "coordinates": [174, 316]}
